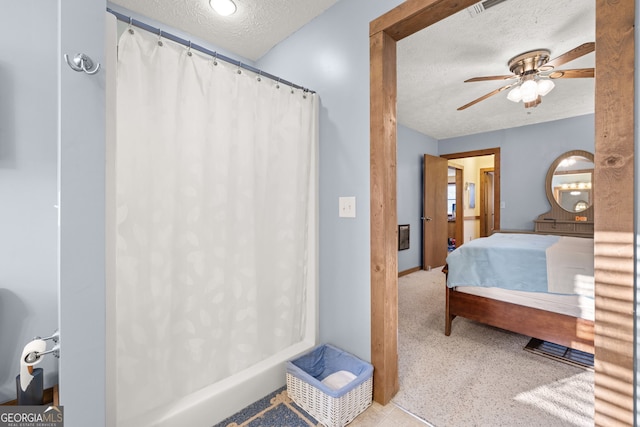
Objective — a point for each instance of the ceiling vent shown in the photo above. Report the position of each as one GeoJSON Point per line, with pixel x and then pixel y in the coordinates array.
{"type": "Point", "coordinates": [478, 8]}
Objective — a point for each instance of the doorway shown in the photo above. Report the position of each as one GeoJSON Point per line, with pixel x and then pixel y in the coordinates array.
{"type": "Point", "coordinates": [489, 205]}
{"type": "Point", "coordinates": [614, 141]}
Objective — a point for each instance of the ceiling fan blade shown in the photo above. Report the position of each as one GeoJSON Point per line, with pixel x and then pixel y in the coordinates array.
{"type": "Point", "coordinates": [485, 78]}
{"type": "Point", "coordinates": [574, 53]}
{"type": "Point", "coordinates": [483, 97]}
{"type": "Point", "coordinates": [573, 74]}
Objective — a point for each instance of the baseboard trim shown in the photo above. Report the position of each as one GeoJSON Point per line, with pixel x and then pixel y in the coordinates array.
{"type": "Point", "coordinates": [409, 271]}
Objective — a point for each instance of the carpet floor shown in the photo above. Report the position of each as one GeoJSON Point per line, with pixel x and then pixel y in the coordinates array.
{"type": "Point", "coordinates": [480, 375]}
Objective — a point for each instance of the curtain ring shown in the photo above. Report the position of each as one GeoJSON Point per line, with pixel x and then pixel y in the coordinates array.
{"type": "Point", "coordinates": [278, 83]}
{"type": "Point", "coordinates": [259, 74]}
{"type": "Point", "coordinates": [130, 25]}
{"type": "Point", "coordinates": [160, 37]}
{"type": "Point", "coordinates": [189, 49]}
{"type": "Point", "coordinates": [239, 67]}
{"type": "Point", "coordinates": [215, 58]}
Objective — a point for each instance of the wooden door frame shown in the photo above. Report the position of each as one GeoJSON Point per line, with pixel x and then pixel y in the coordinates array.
{"type": "Point", "coordinates": [459, 180]}
{"type": "Point", "coordinates": [613, 203]}
{"type": "Point", "coordinates": [483, 201]}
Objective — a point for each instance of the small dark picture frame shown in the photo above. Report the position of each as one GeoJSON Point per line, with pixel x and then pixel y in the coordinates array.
{"type": "Point", "coordinates": [403, 237]}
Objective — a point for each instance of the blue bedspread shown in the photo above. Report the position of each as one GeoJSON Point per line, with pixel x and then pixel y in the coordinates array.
{"type": "Point", "coordinates": [509, 261]}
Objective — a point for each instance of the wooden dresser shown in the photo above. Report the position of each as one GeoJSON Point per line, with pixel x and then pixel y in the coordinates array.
{"type": "Point", "coordinates": [573, 178]}
{"type": "Point", "coordinates": [564, 227]}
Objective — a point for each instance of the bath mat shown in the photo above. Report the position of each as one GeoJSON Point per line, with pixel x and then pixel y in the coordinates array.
{"type": "Point", "coordinates": [561, 353]}
{"type": "Point", "coordinates": [274, 410]}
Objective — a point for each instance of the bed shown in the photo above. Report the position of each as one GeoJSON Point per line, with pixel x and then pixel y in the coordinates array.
{"type": "Point", "coordinates": [533, 284]}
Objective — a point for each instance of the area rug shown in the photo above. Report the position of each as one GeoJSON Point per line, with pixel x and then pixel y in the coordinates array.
{"type": "Point", "coordinates": [560, 353]}
{"type": "Point", "coordinates": [274, 410]}
{"type": "Point", "coordinates": [480, 375]}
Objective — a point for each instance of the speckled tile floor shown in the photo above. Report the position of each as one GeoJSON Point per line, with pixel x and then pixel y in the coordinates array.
{"type": "Point", "coordinates": [389, 415]}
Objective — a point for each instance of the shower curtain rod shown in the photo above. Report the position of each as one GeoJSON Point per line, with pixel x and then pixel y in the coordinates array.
{"type": "Point", "coordinates": [199, 48]}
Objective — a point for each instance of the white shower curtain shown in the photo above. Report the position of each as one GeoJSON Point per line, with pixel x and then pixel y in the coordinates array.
{"type": "Point", "coordinates": [215, 182]}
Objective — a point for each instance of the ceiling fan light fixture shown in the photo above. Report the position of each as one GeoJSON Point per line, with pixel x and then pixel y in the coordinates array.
{"type": "Point", "coordinates": [223, 7]}
{"type": "Point", "coordinates": [534, 103]}
{"type": "Point", "coordinates": [515, 94]}
{"type": "Point", "coordinates": [529, 90]}
{"type": "Point", "coordinates": [528, 68]}
{"type": "Point", "coordinates": [545, 86]}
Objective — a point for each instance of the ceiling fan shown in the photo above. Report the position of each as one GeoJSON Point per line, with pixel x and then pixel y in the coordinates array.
{"type": "Point", "coordinates": [534, 74]}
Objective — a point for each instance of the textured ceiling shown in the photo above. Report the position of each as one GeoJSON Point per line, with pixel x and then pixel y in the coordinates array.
{"type": "Point", "coordinates": [256, 27]}
{"type": "Point", "coordinates": [432, 64]}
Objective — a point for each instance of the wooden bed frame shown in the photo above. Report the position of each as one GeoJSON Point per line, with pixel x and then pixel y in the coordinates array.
{"type": "Point", "coordinates": [561, 329]}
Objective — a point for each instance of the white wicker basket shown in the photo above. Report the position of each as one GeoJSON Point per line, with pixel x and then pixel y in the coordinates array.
{"type": "Point", "coordinates": [330, 411]}
{"type": "Point", "coordinates": [333, 408]}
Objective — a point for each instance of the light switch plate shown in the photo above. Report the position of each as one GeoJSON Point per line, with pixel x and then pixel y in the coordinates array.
{"type": "Point", "coordinates": [347, 207]}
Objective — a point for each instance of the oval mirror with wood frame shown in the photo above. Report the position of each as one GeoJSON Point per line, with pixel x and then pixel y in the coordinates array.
{"type": "Point", "coordinates": [570, 180]}
{"type": "Point", "coordinates": [569, 189]}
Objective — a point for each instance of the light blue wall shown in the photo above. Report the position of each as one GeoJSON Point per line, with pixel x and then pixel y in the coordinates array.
{"type": "Point", "coordinates": [28, 184]}
{"type": "Point", "coordinates": [412, 146]}
{"type": "Point", "coordinates": [331, 56]}
{"type": "Point", "coordinates": [82, 233]}
{"type": "Point", "coordinates": [526, 154]}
